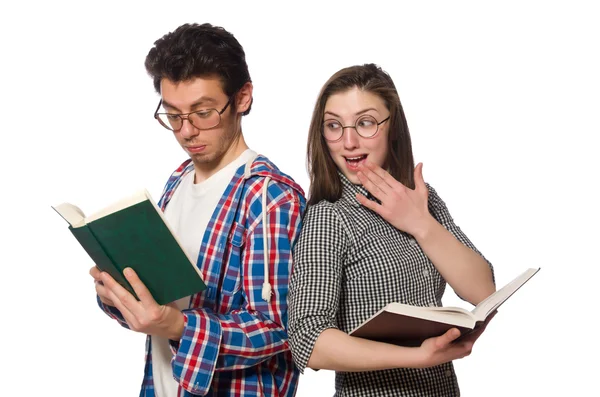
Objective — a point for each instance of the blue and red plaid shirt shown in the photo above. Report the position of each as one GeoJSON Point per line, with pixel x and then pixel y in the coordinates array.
{"type": "Point", "coordinates": [234, 342]}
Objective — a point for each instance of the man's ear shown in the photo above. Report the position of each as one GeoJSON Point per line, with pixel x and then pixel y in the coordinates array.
{"type": "Point", "coordinates": [243, 99]}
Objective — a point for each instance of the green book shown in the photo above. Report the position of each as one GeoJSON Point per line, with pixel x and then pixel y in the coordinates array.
{"type": "Point", "coordinates": [134, 233]}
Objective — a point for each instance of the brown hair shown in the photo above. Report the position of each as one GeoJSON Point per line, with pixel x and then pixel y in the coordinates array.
{"type": "Point", "coordinates": [325, 183]}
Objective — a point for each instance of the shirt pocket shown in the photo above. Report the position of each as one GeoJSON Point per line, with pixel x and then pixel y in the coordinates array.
{"type": "Point", "coordinates": [233, 273]}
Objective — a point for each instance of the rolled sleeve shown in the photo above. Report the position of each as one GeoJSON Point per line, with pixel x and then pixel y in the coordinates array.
{"type": "Point", "coordinates": [316, 279]}
{"type": "Point", "coordinates": [196, 358]}
{"type": "Point", "coordinates": [112, 312]}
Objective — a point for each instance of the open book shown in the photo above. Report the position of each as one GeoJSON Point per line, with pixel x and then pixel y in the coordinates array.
{"type": "Point", "coordinates": [134, 233]}
{"type": "Point", "coordinates": [408, 325]}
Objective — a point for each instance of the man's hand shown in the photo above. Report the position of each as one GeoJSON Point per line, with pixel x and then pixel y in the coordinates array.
{"type": "Point", "coordinates": [144, 315]}
{"type": "Point", "coordinates": [100, 290]}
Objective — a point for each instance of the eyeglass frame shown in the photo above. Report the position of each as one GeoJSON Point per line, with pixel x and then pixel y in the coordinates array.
{"type": "Point", "coordinates": [353, 126]}
{"type": "Point", "coordinates": [187, 115]}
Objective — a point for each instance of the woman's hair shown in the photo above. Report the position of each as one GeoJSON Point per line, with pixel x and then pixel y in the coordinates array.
{"type": "Point", "coordinates": [194, 50]}
{"type": "Point", "coordinates": [325, 183]}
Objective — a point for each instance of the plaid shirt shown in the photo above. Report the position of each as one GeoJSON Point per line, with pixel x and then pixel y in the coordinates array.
{"type": "Point", "coordinates": [348, 264]}
{"type": "Point", "coordinates": [234, 342]}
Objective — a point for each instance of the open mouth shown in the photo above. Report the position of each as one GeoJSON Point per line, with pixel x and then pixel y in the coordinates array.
{"type": "Point", "coordinates": [354, 162]}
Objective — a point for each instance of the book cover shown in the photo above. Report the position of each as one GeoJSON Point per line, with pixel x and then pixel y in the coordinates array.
{"type": "Point", "coordinates": [136, 235]}
{"type": "Point", "coordinates": [408, 325]}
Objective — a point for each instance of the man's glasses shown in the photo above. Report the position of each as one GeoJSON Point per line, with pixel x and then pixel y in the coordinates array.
{"type": "Point", "coordinates": [204, 119]}
{"type": "Point", "coordinates": [366, 126]}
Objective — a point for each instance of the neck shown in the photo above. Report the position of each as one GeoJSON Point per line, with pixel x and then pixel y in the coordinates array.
{"type": "Point", "coordinates": [206, 170]}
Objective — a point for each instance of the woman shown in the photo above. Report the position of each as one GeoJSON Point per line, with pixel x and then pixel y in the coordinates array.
{"type": "Point", "coordinates": [375, 233]}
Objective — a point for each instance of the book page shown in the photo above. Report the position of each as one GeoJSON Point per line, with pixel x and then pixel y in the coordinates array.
{"type": "Point", "coordinates": [137, 197]}
{"type": "Point", "coordinates": [450, 315]}
{"type": "Point", "coordinates": [71, 214]}
{"type": "Point", "coordinates": [493, 302]}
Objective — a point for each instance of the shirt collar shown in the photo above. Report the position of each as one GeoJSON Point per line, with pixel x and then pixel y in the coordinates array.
{"type": "Point", "coordinates": [349, 191]}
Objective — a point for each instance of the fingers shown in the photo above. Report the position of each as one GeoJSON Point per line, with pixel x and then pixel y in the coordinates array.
{"type": "Point", "coordinates": [446, 339]}
{"type": "Point", "coordinates": [372, 205]}
{"type": "Point", "coordinates": [122, 299]}
{"type": "Point", "coordinates": [95, 273]}
{"type": "Point", "coordinates": [120, 305]}
{"type": "Point", "coordinates": [102, 293]}
{"type": "Point", "coordinates": [378, 175]}
{"type": "Point", "coordinates": [99, 285]}
{"type": "Point", "coordinates": [138, 286]}
{"type": "Point", "coordinates": [418, 175]}
{"type": "Point", "coordinates": [374, 187]}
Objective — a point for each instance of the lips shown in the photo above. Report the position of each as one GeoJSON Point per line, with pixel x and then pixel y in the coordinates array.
{"type": "Point", "coordinates": [195, 149]}
{"type": "Point", "coordinates": [354, 161]}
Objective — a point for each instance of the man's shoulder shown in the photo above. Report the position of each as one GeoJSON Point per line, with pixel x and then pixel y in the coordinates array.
{"type": "Point", "coordinates": [266, 183]}
{"type": "Point", "coordinates": [279, 183]}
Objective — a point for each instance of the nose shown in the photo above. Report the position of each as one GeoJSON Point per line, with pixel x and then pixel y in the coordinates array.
{"type": "Point", "coordinates": [187, 129]}
{"type": "Point", "coordinates": [350, 138]}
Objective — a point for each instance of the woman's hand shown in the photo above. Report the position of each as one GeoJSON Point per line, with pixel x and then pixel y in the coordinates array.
{"type": "Point", "coordinates": [405, 208]}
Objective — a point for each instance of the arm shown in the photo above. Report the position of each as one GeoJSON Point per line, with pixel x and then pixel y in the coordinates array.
{"type": "Point", "coordinates": [453, 254]}
{"type": "Point", "coordinates": [204, 341]}
{"type": "Point", "coordinates": [315, 287]}
{"type": "Point", "coordinates": [467, 272]}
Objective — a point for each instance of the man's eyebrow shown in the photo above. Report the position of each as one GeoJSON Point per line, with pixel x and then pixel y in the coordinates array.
{"type": "Point", "coordinates": [356, 114]}
{"type": "Point", "coordinates": [204, 100]}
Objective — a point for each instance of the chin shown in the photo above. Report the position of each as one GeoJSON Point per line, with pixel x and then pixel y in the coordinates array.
{"type": "Point", "coordinates": [352, 177]}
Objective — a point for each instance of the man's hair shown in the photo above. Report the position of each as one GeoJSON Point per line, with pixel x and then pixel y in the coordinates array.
{"type": "Point", "coordinates": [325, 183]}
{"type": "Point", "coordinates": [193, 51]}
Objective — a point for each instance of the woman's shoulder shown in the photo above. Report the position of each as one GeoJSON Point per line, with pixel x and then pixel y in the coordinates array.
{"type": "Point", "coordinates": [326, 214]}
{"type": "Point", "coordinates": [322, 209]}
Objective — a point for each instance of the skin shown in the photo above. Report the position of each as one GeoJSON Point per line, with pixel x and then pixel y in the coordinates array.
{"type": "Point", "coordinates": [210, 151]}
{"type": "Point", "coordinates": [407, 210]}
{"type": "Point", "coordinates": [346, 107]}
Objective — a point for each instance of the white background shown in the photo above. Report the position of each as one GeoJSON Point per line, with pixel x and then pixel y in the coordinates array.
{"type": "Point", "coordinates": [502, 101]}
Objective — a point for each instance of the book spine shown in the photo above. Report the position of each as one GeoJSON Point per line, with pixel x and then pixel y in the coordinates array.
{"type": "Point", "coordinates": [101, 258]}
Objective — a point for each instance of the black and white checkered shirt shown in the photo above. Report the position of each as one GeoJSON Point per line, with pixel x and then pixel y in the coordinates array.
{"type": "Point", "coordinates": [348, 264]}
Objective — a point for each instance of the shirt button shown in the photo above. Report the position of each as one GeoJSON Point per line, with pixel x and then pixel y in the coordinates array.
{"type": "Point", "coordinates": [413, 242]}
{"type": "Point", "coordinates": [426, 273]}
{"type": "Point", "coordinates": [448, 373]}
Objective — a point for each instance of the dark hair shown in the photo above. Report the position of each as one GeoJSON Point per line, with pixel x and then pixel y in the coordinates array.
{"type": "Point", "coordinates": [194, 50]}
{"type": "Point", "coordinates": [325, 183]}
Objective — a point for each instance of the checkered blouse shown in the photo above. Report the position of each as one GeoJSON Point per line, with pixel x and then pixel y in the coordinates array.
{"type": "Point", "coordinates": [350, 263]}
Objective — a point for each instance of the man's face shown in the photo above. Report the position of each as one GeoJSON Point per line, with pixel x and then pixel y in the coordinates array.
{"type": "Point", "coordinates": [210, 149]}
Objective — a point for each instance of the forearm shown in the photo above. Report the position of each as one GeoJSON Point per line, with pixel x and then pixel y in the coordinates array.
{"type": "Point", "coordinates": [465, 270]}
{"type": "Point", "coordinates": [237, 340]}
{"type": "Point", "coordinates": [337, 351]}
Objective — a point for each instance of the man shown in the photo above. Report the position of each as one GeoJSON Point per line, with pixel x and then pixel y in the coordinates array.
{"type": "Point", "coordinates": [236, 213]}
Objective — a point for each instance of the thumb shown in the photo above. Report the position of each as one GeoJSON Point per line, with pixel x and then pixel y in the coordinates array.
{"type": "Point", "coordinates": [442, 341]}
{"type": "Point", "coordinates": [418, 175]}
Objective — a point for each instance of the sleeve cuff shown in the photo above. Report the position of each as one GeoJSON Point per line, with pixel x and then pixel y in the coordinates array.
{"type": "Point", "coordinates": [197, 352]}
{"type": "Point", "coordinates": [302, 344]}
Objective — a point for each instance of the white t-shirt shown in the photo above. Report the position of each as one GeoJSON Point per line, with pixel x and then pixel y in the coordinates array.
{"type": "Point", "coordinates": [188, 213]}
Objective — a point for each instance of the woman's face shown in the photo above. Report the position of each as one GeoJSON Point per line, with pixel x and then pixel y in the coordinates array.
{"type": "Point", "coordinates": [364, 110]}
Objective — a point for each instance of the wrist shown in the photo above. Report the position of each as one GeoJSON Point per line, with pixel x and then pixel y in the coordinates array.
{"type": "Point", "coordinates": [409, 357]}
{"type": "Point", "coordinates": [425, 228]}
{"type": "Point", "coordinates": [177, 327]}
